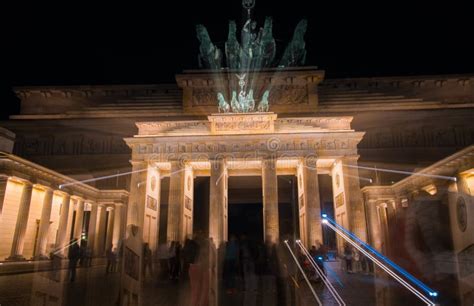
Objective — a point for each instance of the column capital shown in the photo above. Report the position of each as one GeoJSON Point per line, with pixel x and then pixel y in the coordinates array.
{"type": "Point", "coordinates": [118, 204]}
{"type": "Point", "coordinates": [77, 197]}
{"type": "Point", "coordinates": [62, 192]}
{"type": "Point", "coordinates": [20, 180]}
{"type": "Point", "coordinates": [43, 187]}
{"type": "Point", "coordinates": [139, 163]}
{"type": "Point", "coordinates": [109, 207]}
{"type": "Point", "coordinates": [350, 158]}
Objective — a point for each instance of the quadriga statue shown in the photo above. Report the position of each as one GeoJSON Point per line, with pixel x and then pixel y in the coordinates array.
{"type": "Point", "coordinates": [295, 52]}
{"type": "Point", "coordinates": [210, 56]}
{"type": "Point", "coordinates": [263, 105]}
{"type": "Point", "coordinates": [223, 106]}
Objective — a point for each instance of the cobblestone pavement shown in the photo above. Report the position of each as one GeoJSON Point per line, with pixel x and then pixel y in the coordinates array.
{"type": "Point", "coordinates": [94, 287]}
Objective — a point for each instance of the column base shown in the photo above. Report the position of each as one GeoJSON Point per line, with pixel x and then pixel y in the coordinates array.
{"type": "Point", "coordinates": [15, 258]}
{"type": "Point", "coordinates": [41, 257]}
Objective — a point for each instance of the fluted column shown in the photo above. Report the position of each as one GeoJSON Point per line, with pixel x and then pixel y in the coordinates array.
{"type": "Point", "coordinates": [21, 223]}
{"type": "Point", "coordinates": [136, 199]}
{"type": "Point", "coordinates": [217, 201]}
{"type": "Point", "coordinates": [100, 237]}
{"type": "Point", "coordinates": [110, 229]}
{"type": "Point", "coordinates": [374, 225]}
{"type": "Point", "coordinates": [175, 202]}
{"type": "Point", "coordinates": [40, 251]}
{"type": "Point", "coordinates": [270, 200]}
{"type": "Point", "coordinates": [92, 227]}
{"type": "Point", "coordinates": [217, 225]}
{"type": "Point", "coordinates": [313, 208]}
{"type": "Point", "coordinates": [79, 218]}
{"type": "Point", "coordinates": [353, 197]}
{"type": "Point", "coordinates": [117, 229]}
{"type": "Point", "coordinates": [3, 188]}
{"type": "Point", "coordinates": [62, 226]}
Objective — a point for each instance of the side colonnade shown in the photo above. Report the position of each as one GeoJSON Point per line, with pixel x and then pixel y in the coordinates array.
{"type": "Point", "coordinates": [42, 212]}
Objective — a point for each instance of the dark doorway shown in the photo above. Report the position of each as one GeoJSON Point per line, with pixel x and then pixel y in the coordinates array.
{"type": "Point", "coordinates": [245, 209]}
{"type": "Point", "coordinates": [201, 205]}
{"type": "Point", "coordinates": [246, 219]}
{"type": "Point", "coordinates": [327, 207]}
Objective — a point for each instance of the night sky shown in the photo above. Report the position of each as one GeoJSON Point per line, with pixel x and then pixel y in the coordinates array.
{"type": "Point", "coordinates": [86, 44]}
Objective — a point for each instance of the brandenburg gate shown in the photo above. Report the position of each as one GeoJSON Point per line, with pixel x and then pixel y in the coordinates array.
{"type": "Point", "coordinates": [263, 144]}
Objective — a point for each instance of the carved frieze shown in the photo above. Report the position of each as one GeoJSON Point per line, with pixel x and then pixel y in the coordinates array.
{"type": "Point", "coordinates": [70, 145]}
{"type": "Point", "coordinates": [288, 94]}
{"type": "Point", "coordinates": [204, 96]}
{"type": "Point", "coordinates": [253, 123]}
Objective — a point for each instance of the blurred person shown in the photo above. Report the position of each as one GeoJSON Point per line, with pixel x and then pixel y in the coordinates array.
{"type": "Point", "coordinates": [147, 260]}
{"type": "Point", "coordinates": [355, 261]}
{"type": "Point", "coordinates": [231, 264]}
{"type": "Point", "coordinates": [74, 255]}
{"type": "Point", "coordinates": [348, 258]}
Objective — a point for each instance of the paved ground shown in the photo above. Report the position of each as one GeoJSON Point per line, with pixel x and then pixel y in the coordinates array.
{"type": "Point", "coordinates": [94, 287]}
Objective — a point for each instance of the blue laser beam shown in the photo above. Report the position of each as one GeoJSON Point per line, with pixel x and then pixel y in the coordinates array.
{"type": "Point", "coordinates": [416, 281]}
{"type": "Point", "coordinates": [380, 264]}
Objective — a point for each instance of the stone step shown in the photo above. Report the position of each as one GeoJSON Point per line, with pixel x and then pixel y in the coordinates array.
{"type": "Point", "coordinates": [150, 99]}
{"type": "Point", "coordinates": [350, 95]}
{"type": "Point", "coordinates": [377, 106]}
{"type": "Point", "coordinates": [364, 98]}
{"type": "Point", "coordinates": [374, 102]}
{"type": "Point", "coordinates": [160, 108]}
{"type": "Point", "coordinates": [155, 103]}
{"type": "Point", "coordinates": [125, 113]}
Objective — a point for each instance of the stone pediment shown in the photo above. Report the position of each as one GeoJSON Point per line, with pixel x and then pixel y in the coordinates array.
{"type": "Point", "coordinates": [244, 123]}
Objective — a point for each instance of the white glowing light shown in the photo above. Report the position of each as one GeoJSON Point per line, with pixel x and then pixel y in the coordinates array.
{"type": "Point", "coordinates": [325, 221]}
{"type": "Point", "coordinates": [324, 278]}
{"type": "Point", "coordinates": [384, 267]}
{"type": "Point", "coordinates": [304, 275]}
{"type": "Point", "coordinates": [451, 178]}
{"type": "Point", "coordinates": [101, 178]}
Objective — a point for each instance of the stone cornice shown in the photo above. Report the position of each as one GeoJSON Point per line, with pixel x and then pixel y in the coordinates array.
{"type": "Point", "coordinates": [12, 165]}
{"type": "Point", "coordinates": [278, 126]}
{"type": "Point", "coordinates": [450, 166]}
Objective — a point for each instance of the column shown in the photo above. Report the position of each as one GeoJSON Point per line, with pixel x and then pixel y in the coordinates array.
{"type": "Point", "coordinates": [217, 200]}
{"type": "Point", "coordinates": [99, 243]}
{"type": "Point", "coordinates": [313, 208]}
{"type": "Point", "coordinates": [3, 188]}
{"type": "Point", "coordinates": [353, 197]}
{"type": "Point", "coordinates": [375, 230]}
{"type": "Point", "coordinates": [136, 200]}
{"type": "Point", "coordinates": [42, 239]}
{"type": "Point", "coordinates": [79, 218]}
{"type": "Point", "coordinates": [21, 223]}
{"type": "Point", "coordinates": [217, 224]}
{"type": "Point", "coordinates": [175, 202]}
{"type": "Point", "coordinates": [110, 229]}
{"type": "Point", "coordinates": [270, 200]}
{"type": "Point", "coordinates": [92, 226]}
{"type": "Point", "coordinates": [117, 230]}
{"type": "Point", "coordinates": [62, 226]}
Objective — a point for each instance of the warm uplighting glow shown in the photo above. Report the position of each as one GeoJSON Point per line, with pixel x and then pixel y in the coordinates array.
{"type": "Point", "coordinates": [431, 189]}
